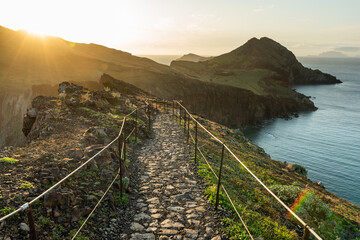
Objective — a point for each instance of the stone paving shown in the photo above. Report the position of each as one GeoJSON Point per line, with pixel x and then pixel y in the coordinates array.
{"type": "Point", "coordinates": [168, 201]}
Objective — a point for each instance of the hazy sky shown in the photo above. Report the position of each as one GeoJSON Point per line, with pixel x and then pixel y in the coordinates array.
{"type": "Point", "coordinates": [207, 27]}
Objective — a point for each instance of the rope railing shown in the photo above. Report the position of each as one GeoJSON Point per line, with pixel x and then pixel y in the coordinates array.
{"type": "Point", "coordinates": [223, 187]}
{"type": "Point", "coordinates": [122, 155]}
{"type": "Point", "coordinates": [306, 227]}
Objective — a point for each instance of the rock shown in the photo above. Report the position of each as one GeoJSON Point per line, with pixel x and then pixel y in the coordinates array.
{"type": "Point", "coordinates": [156, 216]}
{"type": "Point", "coordinates": [54, 198]}
{"type": "Point", "coordinates": [176, 209]}
{"type": "Point", "coordinates": [24, 227]}
{"type": "Point", "coordinates": [102, 160]}
{"type": "Point", "coordinates": [200, 209]}
{"type": "Point", "coordinates": [190, 233]}
{"type": "Point", "coordinates": [75, 153]}
{"type": "Point", "coordinates": [69, 88]}
{"type": "Point", "coordinates": [216, 238]}
{"type": "Point", "coordinates": [320, 184]}
{"type": "Point", "coordinates": [78, 213]}
{"type": "Point", "coordinates": [168, 223]}
{"type": "Point", "coordinates": [143, 236]}
{"type": "Point", "coordinates": [165, 231]}
{"type": "Point", "coordinates": [141, 216]}
{"type": "Point", "coordinates": [136, 227]}
{"type": "Point", "coordinates": [31, 112]}
{"type": "Point", "coordinates": [96, 135]}
{"type": "Point", "coordinates": [56, 213]}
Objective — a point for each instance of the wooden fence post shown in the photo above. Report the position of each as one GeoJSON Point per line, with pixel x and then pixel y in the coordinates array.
{"type": "Point", "coordinates": [149, 116]}
{"type": "Point", "coordinates": [120, 169]}
{"type": "Point", "coordinates": [306, 234]}
{"type": "Point", "coordinates": [173, 110]}
{"type": "Point", "coordinates": [136, 125]}
{"type": "Point", "coordinates": [196, 139]}
{"type": "Point", "coordinates": [31, 223]}
{"type": "Point", "coordinates": [219, 182]}
{"type": "Point", "coordinates": [188, 129]}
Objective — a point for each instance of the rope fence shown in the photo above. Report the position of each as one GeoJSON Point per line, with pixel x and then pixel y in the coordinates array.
{"type": "Point", "coordinates": [187, 116]}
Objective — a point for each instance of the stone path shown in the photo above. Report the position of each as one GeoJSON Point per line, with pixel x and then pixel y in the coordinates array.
{"type": "Point", "coordinates": [167, 201]}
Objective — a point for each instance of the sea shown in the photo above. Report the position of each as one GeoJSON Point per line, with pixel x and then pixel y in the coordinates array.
{"type": "Point", "coordinates": [327, 141]}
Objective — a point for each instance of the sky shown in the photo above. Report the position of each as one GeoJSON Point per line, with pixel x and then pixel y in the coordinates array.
{"type": "Point", "coordinates": [204, 27]}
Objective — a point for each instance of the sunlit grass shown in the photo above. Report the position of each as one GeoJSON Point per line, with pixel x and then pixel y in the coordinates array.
{"type": "Point", "coordinates": [8, 160]}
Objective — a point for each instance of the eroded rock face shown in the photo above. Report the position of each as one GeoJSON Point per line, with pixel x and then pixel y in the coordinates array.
{"type": "Point", "coordinates": [96, 135]}
{"type": "Point", "coordinates": [58, 199]}
{"type": "Point", "coordinates": [34, 125]}
{"type": "Point", "coordinates": [70, 88]}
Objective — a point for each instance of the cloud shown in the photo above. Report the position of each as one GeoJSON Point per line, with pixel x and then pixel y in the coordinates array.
{"type": "Point", "coordinates": [347, 49]}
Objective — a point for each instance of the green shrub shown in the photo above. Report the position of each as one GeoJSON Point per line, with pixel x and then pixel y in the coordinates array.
{"type": "Point", "coordinates": [123, 201]}
{"type": "Point", "coordinates": [313, 211]}
{"type": "Point", "coordinates": [8, 160]}
{"type": "Point", "coordinates": [44, 220]}
{"type": "Point", "coordinates": [287, 193]}
{"type": "Point", "coordinates": [27, 185]}
{"type": "Point", "coordinates": [300, 169]}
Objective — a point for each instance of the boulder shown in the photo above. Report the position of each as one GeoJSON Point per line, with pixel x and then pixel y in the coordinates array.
{"type": "Point", "coordinates": [60, 199]}
{"type": "Point", "coordinates": [96, 135]}
{"type": "Point", "coordinates": [103, 159]}
{"type": "Point", "coordinates": [69, 88]}
{"type": "Point", "coordinates": [78, 213]}
{"type": "Point", "coordinates": [24, 227]}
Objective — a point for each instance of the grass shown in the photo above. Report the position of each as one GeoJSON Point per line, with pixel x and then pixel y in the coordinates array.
{"type": "Point", "coordinates": [6, 210]}
{"type": "Point", "coordinates": [8, 160]}
{"type": "Point", "coordinates": [264, 216]}
{"type": "Point", "coordinates": [44, 221]}
{"type": "Point", "coordinates": [122, 201]}
{"type": "Point", "coordinates": [27, 185]}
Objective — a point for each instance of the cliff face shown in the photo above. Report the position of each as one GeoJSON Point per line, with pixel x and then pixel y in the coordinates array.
{"type": "Point", "coordinates": [228, 105]}
{"type": "Point", "coordinates": [239, 107]}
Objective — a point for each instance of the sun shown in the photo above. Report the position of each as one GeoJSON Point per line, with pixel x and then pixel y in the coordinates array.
{"type": "Point", "coordinates": [37, 31]}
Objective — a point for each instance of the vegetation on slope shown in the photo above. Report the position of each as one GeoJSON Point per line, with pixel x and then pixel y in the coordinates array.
{"type": "Point", "coordinates": [330, 216]}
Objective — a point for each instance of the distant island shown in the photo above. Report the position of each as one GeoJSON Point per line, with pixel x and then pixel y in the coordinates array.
{"type": "Point", "coordinates": [329, 54]}
{"type": "Point", "coordinates": [193, 58]}
{"type": "Point", "coordinates": [333, 54]}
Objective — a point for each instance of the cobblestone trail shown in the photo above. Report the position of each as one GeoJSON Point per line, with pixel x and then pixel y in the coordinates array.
{"type": "Point", "coordinates": [168, 201]}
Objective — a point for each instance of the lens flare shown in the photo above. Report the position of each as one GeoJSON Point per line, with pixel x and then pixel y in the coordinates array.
{"type": "Point", "coordinates": [299, 201]}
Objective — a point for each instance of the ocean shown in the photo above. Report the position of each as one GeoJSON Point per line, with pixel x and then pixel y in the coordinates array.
{"type": "Point", "coordinates": [326, 142]}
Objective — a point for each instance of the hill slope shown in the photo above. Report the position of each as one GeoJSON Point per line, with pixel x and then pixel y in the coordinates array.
{"type": "Point", "coordinates": [27, 60]}
{"type": "Point", "coordinates": [262, 66]}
